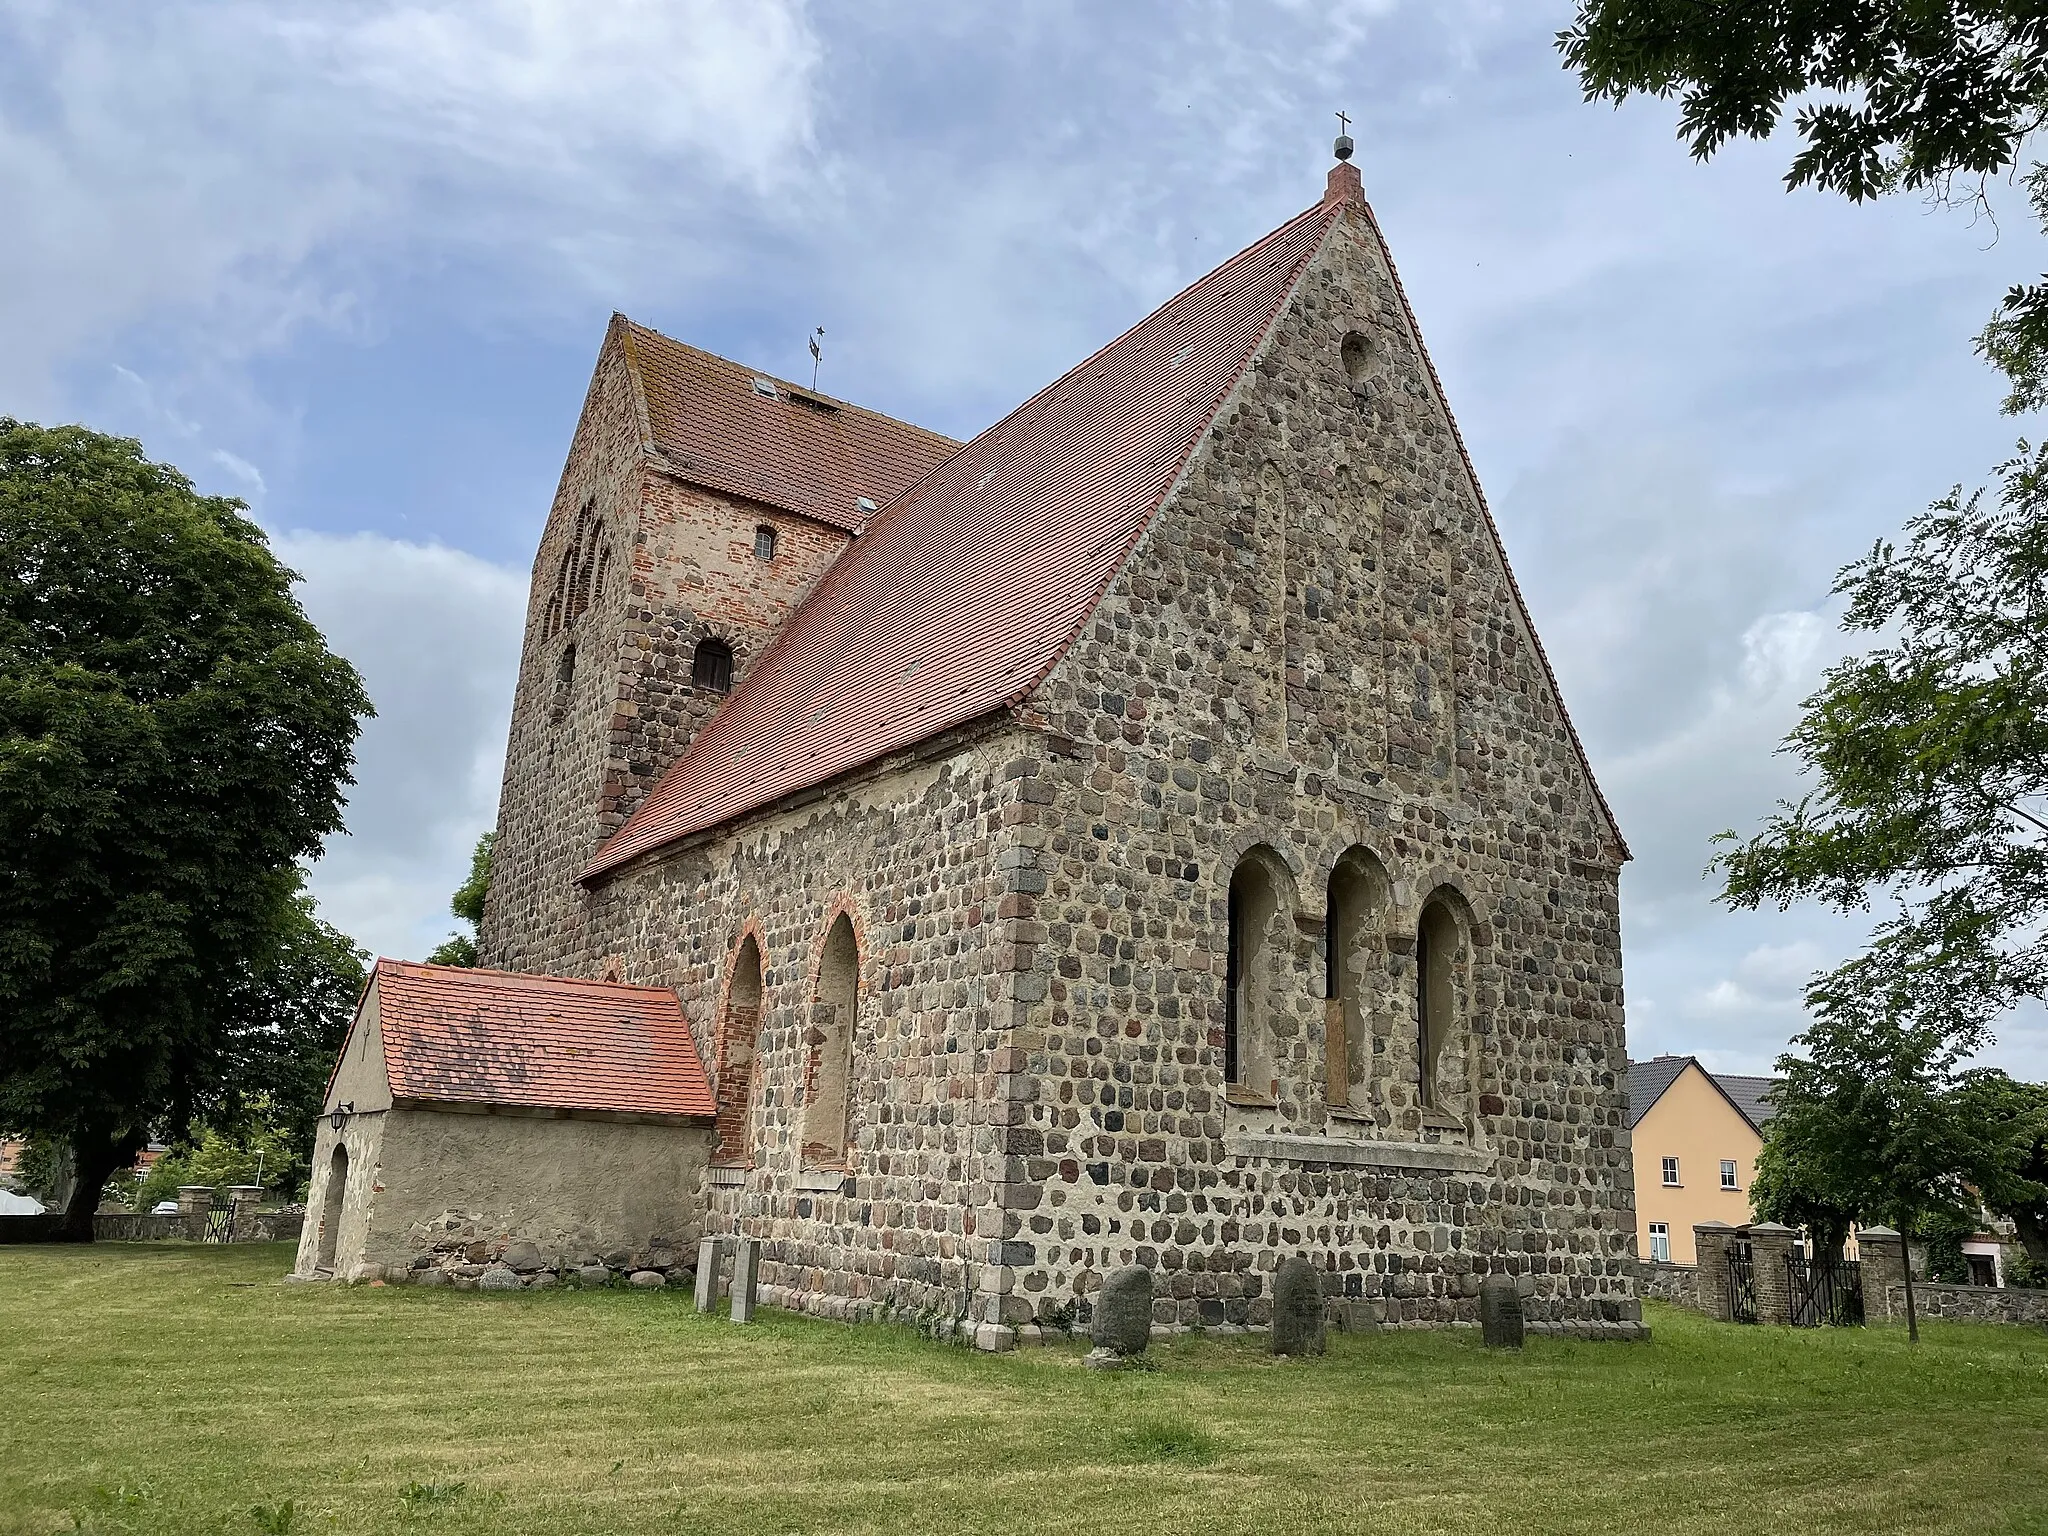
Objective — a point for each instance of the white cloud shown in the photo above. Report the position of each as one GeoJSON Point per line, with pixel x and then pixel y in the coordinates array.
{"type": "Point", "coordinates": [240, 165]}
{"type": "Point", "coordinates": [435, 633]}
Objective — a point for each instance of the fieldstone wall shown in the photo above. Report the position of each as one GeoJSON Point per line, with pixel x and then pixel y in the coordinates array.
{"type": "Point", "coordinates": [1969, 1303]}
{"type": "Point", "coordinates": [458, 1254]}
{"type": "Point", "coordinates": [1678, 1283]}
{"type": "Point", "coordinates": [279, 1226]}
{"type": "Point", "coordinates": [902, 1218]}
{"type": "Point", "coordinates": [1316, 655]}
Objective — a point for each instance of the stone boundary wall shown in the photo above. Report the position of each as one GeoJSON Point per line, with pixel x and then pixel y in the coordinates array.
{"type": "Point", "coordinates": [1969, 1303]}
{"type": "Point", "coordinates": [1675, 1283]}
{"type": "Point", "coordinates": [123, 1227]}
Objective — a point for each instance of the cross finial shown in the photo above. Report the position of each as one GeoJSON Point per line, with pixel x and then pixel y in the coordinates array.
{"type": "Point", "coordinates": [1343, 124]}
{"type": "Point", "coordinates": [1342, 147]}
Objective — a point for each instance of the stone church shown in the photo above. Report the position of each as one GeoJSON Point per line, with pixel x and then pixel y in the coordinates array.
{"type": "Point", "coordinates": [1149, 832]}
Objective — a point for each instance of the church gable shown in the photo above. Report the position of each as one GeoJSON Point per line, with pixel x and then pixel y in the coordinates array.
{"type": "Point", "coordinates": [1339, 596]}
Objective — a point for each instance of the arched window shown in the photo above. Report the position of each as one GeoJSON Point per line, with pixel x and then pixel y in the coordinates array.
{"type": "Point", "coordinates": [1350, 947]}
{"type": "Point", "coordinates": [711, 666]}
{"type": "Point", "coordinates": [1436, 1000]}
{"type": "Point", "coordinates": [829, 1060]}
{"type": "Point", "coordinates": [736, 1037]}
{"type": "Point", "coordinates": [580, 579]}
{"type": "Point", "coordinates": [1251, 973]}
{"type": "Point", "coordinates": [764, 543]}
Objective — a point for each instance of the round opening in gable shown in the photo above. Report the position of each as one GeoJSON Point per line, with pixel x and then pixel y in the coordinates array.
{"type": "Point", "coordinates": [1356, 351]}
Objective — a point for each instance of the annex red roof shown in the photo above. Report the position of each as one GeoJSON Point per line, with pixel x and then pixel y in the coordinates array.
{"type": "Point", "coordinates": [773, 442]}
{"type": "Point", "coordinates": [542, 1042]}
{"type": "Point", "coordinates": [962, 593]}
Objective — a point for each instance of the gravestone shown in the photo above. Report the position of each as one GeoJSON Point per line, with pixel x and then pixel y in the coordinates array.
{"type": "Point", "coordinates": [746, 1277]}
{"type": "Point", "coordinates": [710, 1253]}
{"type": "Point", "coordinates": [1500, 1312]}
{"type": "Point", "coordinates": [1123, 1311]}
{"type": "Point", "coordinates": [1297, 1308]}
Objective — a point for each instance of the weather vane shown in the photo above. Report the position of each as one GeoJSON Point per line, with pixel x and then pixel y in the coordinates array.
{"type": "Point", "coordinates": [1343, 145]}
{"type": "Point", "coordinates": [817, 355]}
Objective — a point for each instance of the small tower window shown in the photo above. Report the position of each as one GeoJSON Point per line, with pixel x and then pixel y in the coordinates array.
{"type": "Point", "coordinates": [764, 543]}
{"type": "Point", "coordinates": [711, 667]}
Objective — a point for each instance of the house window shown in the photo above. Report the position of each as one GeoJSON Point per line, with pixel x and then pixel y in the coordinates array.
{"type": "Point", "coordinates": [764, 543]}
{"type": "Point", "coordinates": [1671, 1171]}
{"type": "Point", "coordinates": [1728, 1173]}
{"type": "Point", "coordinates": [1660, 1242]}
{"type": "Point", "coordinates": [711, 667]}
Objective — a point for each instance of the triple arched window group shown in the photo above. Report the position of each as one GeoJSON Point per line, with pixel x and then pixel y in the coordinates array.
{"type": "Point", "coordinates": [1395, 997]}
{"type": "Point", "coordinates": [581, 575]}
{"type": "Point", "coordinates": [822, 1098]}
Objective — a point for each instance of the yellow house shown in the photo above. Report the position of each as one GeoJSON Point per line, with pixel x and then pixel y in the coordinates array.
{"type": "Point", "coordinates": [1696, 1137]}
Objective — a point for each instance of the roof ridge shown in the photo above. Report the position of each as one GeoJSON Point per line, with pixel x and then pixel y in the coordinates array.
{"type": "Point", "coordinates": [527, 977]}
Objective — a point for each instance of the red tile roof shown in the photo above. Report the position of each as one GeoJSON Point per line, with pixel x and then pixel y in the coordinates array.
{"type": "Point", "coordinates": [795, 448]}
{"type": "Point", "coordinates": [963, 592]}
{"type": "Point", "coordinates": [543, 1042]}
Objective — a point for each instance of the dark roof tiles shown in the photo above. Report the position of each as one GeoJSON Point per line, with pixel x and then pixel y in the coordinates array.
{"type": "Point", "coordinates": [1648, 1080]}
{"type": "Point", "coordinates": [541, 1042]}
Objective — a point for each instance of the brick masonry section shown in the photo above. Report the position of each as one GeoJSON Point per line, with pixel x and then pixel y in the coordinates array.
{"type": "Point", "coordinates": [1315, 661]}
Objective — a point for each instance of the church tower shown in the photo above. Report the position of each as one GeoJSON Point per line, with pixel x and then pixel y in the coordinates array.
{"type": "Point", "coordinates": [700, 502]}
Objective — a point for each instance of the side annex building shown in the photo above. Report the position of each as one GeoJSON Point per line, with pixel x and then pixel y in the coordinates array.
{"type": "Point", "coordinates": [1149, 832]}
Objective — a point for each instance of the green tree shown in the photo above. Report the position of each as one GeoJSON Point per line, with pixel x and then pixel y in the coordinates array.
{"type": "Point", "coordinates": [2011, 1123]}
{"type": "Point", "coordinates": [1792, 1183]}
{"type": "Point", "coordinates": [292, 1005]}
{"type": "Point", "coordinates": [468, 904]}
{"type": "Point", "coordinates": [1866, 1109]}
{"type": "Point", "coordinates": [174, 737]}
{"type": "Point", "coordinates": [217, 1160]}
{"type": "Point", "coordinates": [1885, 95]}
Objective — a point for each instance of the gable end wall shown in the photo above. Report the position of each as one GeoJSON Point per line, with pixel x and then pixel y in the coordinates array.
{"type": "Point", "coordinates": [1419, 727]}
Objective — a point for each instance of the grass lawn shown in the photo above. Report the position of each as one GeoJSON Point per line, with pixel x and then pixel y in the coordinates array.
{"type": "Point", "coordinates": [166, 1388]}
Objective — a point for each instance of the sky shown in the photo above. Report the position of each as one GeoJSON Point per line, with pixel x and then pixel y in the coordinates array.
{"type": "Point", "coordinates": [353, 264]}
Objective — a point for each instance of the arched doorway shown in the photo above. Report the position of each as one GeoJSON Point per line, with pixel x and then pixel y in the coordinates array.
{"type": "Point", "coordinates": [330, 1207]}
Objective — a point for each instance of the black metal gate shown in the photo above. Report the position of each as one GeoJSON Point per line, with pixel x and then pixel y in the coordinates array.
{"type": "Point", "coordinates": [1825, 1292]}
{"type": "Point", "coordinates": [1741, 1284]}
{"type": "Point", "coordinates": [220, 1224]}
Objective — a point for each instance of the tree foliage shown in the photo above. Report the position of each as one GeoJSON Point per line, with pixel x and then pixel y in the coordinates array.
{"type": "Point", "coordinates": [468, 904]}
{"type": "Point", "coordinates": [1885, 95]}
{"type": "Point", "coordinates": [174, 737]}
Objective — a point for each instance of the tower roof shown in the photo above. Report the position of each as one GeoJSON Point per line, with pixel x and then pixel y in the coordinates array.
{"type": "Point", "coordinates": [718, 423]}
{"type": "Point", "coordinates": [965, 590]}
